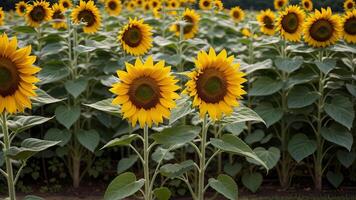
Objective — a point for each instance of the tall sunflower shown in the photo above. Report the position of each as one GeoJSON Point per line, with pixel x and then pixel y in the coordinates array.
{"type": "Point", "coordinates": [37, 13]}
{"type": "Point", "coordinates": [146, 92]}
{"type": "Point", "coordinates": [2, 16]}
{"type": "Point", "coordinates": [58, 16]}
{"type": "Point", "coordinates": [237, 14]}
{"type": "Point", "coordinates": [322, 29]}
{"type": "Point", "coordinates": [266, 20]}
{"type": "Point", "coordinates": [349, 26]}
{"type": "Point", "coordinates": [290, 23]}
{"type": "Point", "coordinates": [349, 5]}
{"type": "Point", "coordinates": [17, 77]}
{"type": "Point", "coordinates": [279, 4]}
{"type": "Point", "coordinates": [21, 8]}
{"type": "Point", "coordinates": [136, 37]}
{"type": "Point", "coordinates": [216, 84]}
{"type": "Point", "coordinates": [65, 3]}
{"type": "Point", "coordinates": [113, 7]}
{"type": "Point", "coordinates": [205, 4]}
{"type": "Point", "coordinates": [88, 13]}
{"type": "Point", "coordinates": [189, 30]}
{"type": "Point", "coordinates": [307, 5]}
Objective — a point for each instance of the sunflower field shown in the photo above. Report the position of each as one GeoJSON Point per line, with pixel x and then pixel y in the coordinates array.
{"type": "Point", "coordinates": [177, 99]}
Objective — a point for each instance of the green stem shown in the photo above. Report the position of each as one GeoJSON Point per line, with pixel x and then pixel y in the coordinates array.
{"type": "Point", "coordinates": [202, 159]}
{"type": "Point", "coordinates": [146, 163]}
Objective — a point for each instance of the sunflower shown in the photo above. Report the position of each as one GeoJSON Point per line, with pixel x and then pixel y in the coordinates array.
{"type": "Point", "coordinates": [349, 5]}
{"type": "Point", "coordinates": [58, 16]}
{"type": "Point", "coordinates": [173, 5]}
{"type": "Point", "coordinates": [246, 32]}
{"type": "Point", "coordinates": [89, 14]}
{"type": "Point", "coordinates": [37, 13]}
{"type": "Point", "coordinates": [290, 23]}
{"type": "Point", "coordinates": [16, 76]}
{"type": "Point", "coordinates": [322, 29]}
{"type": "Point", "coordinates": [349, 26]}
{"type": "Point", "coordinates": [136, 37]}
{"type": "Point", "coordinates": [146, 6]}
{"type": "Point", "coordinates": [146, 92]}
{"type": "Point", "coordinates": [155, 4]}
{"type": "Point", "coordinates": [279, 4]}
{"type": "Point", "coordinates": [218, 4]}
{"type": "Point", "coordinates": [237, 14]}
{"type": "Point", "coordinates": [266, 20]}
{"type": "Point", "coordinates": [189, 30]}
{"type": "Point", "coordinates": [65, 3]}
{"type": "Point", "coordinates": [131, 6]}
{"type": "Point", "coordinates": [2, 16]}
{"type": "Point", "coordinates": [307, 5]}
{"type": "Point", "coordinates": [113, 7]}
{"type": "Point", "coordinates": [216, 84]}
{"type": "Point", "coordinates": [205, 4]}
{"type": "Point", "coordinates": [21, 8]}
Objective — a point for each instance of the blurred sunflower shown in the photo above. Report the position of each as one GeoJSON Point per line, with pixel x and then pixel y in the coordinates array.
{"type": "Point", "coordinates": [2, 16]}
{"type": "Point", "coordinates": [307, 5]}
{"type": "Point", "coordinates": [349, 26]}
{"type": "Point", "coordinates": [58, 16]}
{"type": "Point", "coordinates": [113, 7]}
{"type": "Point", "coordinates": [136, 37]}
{"type": "Point", "coordinates": [322, 29]}
{"type": "Point", "coordinates": [88, 13]}
{"type": "Point", "coordinates": [290, 23]}
{"type": "Point", "coordinates": [266, 20]}
{"type": "Point", "coordinates": [146, 6]}
{"type": "Point", "coordinates": [155, 4]}
{"type": "Point", "coordinates": [246, 32]}
{"type": "Point", "coordinates": [349, 5]}
{"type": "Point", "coordinates": [21, 8]}
{"type": "Point", "coordinates": [37, 13]}
{"type": "Point", "coordinates": [173, 4]}
{"type": "Point", "coordinates": [189, 30]}
{"type": "Point", "coordinates": [216, 84]}
{"type": "Point", "coordinates": [205, 4]}
{"type": "Point", "coordinates": [65, 3]}
{"type": "Point", "coordinates": [16, 76]}
{"type": "Point", "coordinates": [146, 92]}
{"type": "Point", "coordinates": [139, 3]}
{"type": "Point", "coordinates": [279, 4]}
{"type": "Point", "coordinates": [219, 6]}
{"type": "Point", "coordinates": [131, 6]}
{"type": "Point", "coordinates": [237, 14]}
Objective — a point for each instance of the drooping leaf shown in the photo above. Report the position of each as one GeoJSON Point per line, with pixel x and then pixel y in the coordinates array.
{"type": "Point", "coordinates": [123, 186]}
{"type": "Point", "coordinates": [225, 185]}
{"type": "Point", "coordinates": [176, 135]}
{"type": "Point", "coordinates": [288, 65]}
{"type": "Point", "coordinates": [264, 86]}
{"type": "Point", "coordinates": [338, 135]}
{"type": "Point", "coordinates": [122, 141]}
{"type": "Point", "coordinates": [106, 106]}
{"type": "Point", "coordinates": [326, 65]}
{"type": "Point", "coordinates": [270, 156]}
{"type": "Point", "coordinates": [177, 169]}
{"type": "Point", "coordinates": [55, 134]}
{"type": "Point", "coordinates": [341, 110]}
{"type": "Point", "coordinates": [22, 123]}
{"type": "Point", "coordinates": [269, 114]}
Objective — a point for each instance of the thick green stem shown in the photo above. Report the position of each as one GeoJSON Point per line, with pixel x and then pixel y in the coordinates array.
{"type": "Point", "coordinates": [201, 183]}
{"type": "Point", "coordinates": [9, 170]}
{"type": "Point", "coordinates": [146, 163]}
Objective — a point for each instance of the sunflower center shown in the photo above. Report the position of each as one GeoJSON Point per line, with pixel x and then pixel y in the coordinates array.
{"type": "Point", "coordinates": [290, 22]}
{"type": "Point", "coordinates": [87, 16]}
{"type": "Point", "coordinates": [211, 85]}
{"type": "Point", "coordinates": [58, 15]}
{"type": "Point", "coordinates": [112, 5]}
{"type": "Point", "coordinates": [321, 30]}
{"type": "Point", "coordinates": [350, 5]}
{"type": "Point", "coordinates": [9, 78]}
{"type": "Point", "coordinates": [350, 26]}
{"type": "Point", "coordinates": [144, 93]}
{"type": "Point", "coordinates": [139, 2]}
{"type": "Point", "coordinates": [22, 8]}
{"type": "Point", "coordinates": [206, 3]}
{"type": "Point", "coordinates": [280, 3]}
{"type": "Point", "coordinates": [268, 22]}
{"type": "Point", "coordinates": [65, 4]}
{"type": "Point", "coordinates": [38, 14]}
{"type": "Point", "coordinates": [236, 14]}
{"type": "Point", "coordinates": [133, 36]}
{"type": "Point", "coordinates": [306, 4]}
{"type": "Point", "coordinates": [155, 4]}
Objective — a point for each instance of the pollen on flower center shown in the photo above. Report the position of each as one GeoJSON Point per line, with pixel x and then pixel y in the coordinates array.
{"type": "Point", "coordinates": [144, 93]}
{"type": "Point", "coordinates": [133, 36]}
{"type": "Point", "coordinates": [211, 85]}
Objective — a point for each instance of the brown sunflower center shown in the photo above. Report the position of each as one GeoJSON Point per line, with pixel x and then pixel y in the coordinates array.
{"type": "Point", "coordinates": [9, 79]}
{"type": "Point", "coordinates": [350, 26]}
{"type": "Point", "coordinates": [236, 14]}
{"type": "Point", "coordinates": [154, 4]}
{"type": "Point", "coordinates": [290, 22]}
{"type": "Point", "coordinates": [22, 8]}
{"type": "Point", "coordinates": [65, 4]}
{"type": "Point", "coordinates": [144, 92]}
{"type": "Point", "coordinates": [350, 5]}
{"type": "Point", "coordinates": [268, 22]}
{"type": "Point", "coordinates": [139, 2]}
{"type": "Point", "coordinates": [280, 3]}
{"type": "Point", "coordinates": [306, 4]}
{"type": "Point", "coordinates": [112, 5]}
{"type": "Point", "coordinates": [322, 30]}
{"type": "Point", "coordinates": [58, 15]}
{"type": "Point", "coordinates": [133, 36]}
{"type": "Point", "coordinates": [87, 16]}
{"type": "Point", "coordinates": [206, 3]}
{"type": "Point", "coordinates": [38, 14]}
{"type": "Point", "coordinates": [211, 85]}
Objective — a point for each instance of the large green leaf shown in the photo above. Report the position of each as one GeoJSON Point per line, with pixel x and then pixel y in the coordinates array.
{"type": "Point", "coordinates": [301, 96]}
{"type": "Point", "coordinates": [184, 108]}
{"type": "Point", "coordinates": [43, 98]}
{"type": "Point", "coordinates": [264, 86]}
{"type": "Point", "coordinates": [22, 123]}
{"type": "Point", "coordinates": [89, 139]}
{"type": "Point", "coordinates": [300, 147]}
{"type": "Point", "coordinates": [162, 193]}
{"type": "Point", "coordinates": [55, 134]}
{"type": "Point", "coordinates": [346, 158]}
{"type": "Point", "coordinates": [106, 106]}
{"type": "Point", "coordinates": [76, 87]}
{"type": "Point", "coordinates": [269, 114]}
{"type": "Point", "coordinates": [177, 169]}
{"type": "Point", "coordinates": [338, 135]}
{"type": "Point", "coordinates": [341, 110]}
{"type": "Point", "coordinates": [67, 116]}
{"type": "Point", "coordinates": [270, 156]}
{"type": "Point", "coordinates": [255, 136]}
{"type": "Point", "coordinates": [326, 65]}
{"type": "Point", "coordinates": [177, 135]}
{"type": "Point", "coordinates": [252, 181]}
{"type": "Point", "coordinates": [53, 71]}
{"type": "Point", "coordinates": [288, 65]}
{"type": "Point", "coordinates": [123, 186]}
{"type": "Point", "coordinates": [122, 141]}
{"type": "Point", "coordinates": [126, 163]}
{"type": "Point", "coordinates": [161, 154]}
{"type": "Point", "coordinates": [24, 29]}
{"type": "Point", "coordinates": [225, 185]}
{"type": "Point", "coordinates": [243, 114]}
{"type": "Point", "coordinates": [248, 69]}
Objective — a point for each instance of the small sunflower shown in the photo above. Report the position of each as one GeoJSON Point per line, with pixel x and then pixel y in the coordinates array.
{"type": "Point", "coordinates": [21, 8]}
{"type": "Point", "coordinates": [89, 14]}
{"type": "Point", "coordinates": [349, 5]}
{"type": "Point", "coordinates": [279, 4]}
{"type": "Point", "coordinates": [189, 30]}
{"type": "Point", "coordinates": [65, 3]}
{"type": "Point", "coordinates": [307, 5]}
{"type": "Point", "coordinates": [219, 6]}
{"type": "Point", "coordinates": [349, 26]}
{"type": "Point", "coordinates": [205, 4]}
{"type": "Point", "coordinates": [2, 16]}
{"type": "Point", "coordinates": [146, 92]}
{"type": "Point", "coordinates": [155, 4]}
{"type": "Point", "coordinates": [266, 20]}
{"type": "Point", "coordinates": [136, 37]}
{"type": "Point", "coordinates": [16, 76]}
{"type": "Point", "coordinates": [237, 14]}
{"type": "Point", "coordinates": [146, 6]}
{"type": "Point", "coordinates": [173, 5]}
{"type": "Point", "coordinates": [58, 16]}
{"type": "Point", "coordinates": [290, 23]}
{"type": "Point", "coordinates": [113, 7]}
{"type": "Point", "coordinates": [37, 13]}
{"type": "Point", "coordinates": [246, 32]}
{"type": "Point", "coordinates": [216, 84]}
{"type": "Point", "coordinates": [322, 29]}
{"type": "Point", "coordinates": [139, 3]}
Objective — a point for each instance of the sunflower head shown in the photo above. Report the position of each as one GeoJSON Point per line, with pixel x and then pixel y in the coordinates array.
{"type": "Point", "coordinates": [237, 14]}
{"type": "Point", "coordinates": [246, 32]}
{"type": "Point", "coordinates": [58, 16]}
{"type": "Point", "coordinates": [65, 3]}
{"type": "Point", "coordinates": [38, 12]}
{"type": "Point", "coordinates": [21, 8]}
{"type": "Point", "coordinates": [191, 28]}
{"type": "Point", "coordinates": [290, 23]}
{"type": "Point", "coordinates": [88, 13]}
{"type": "Point", "coordinates": [216, 84]}
{"type": "Point", "coordinates": [2, 16]}
{"type": "Point", "coordinates": [17, 76]}
{"type": "Point", "coordinates": [113, 7]}
{"type": "Point", "coordinates": [349, 5]}
{"type": "Point", "coordinates": [279, 4]}
{"type": "Point", "coordinates": [218, 5]}
{"type": "Point", "coordinates": [349, 26]}
{"type": "Point", "coordinates": [322, 28]}
{"type": "Point", "coordinates": [131, 6]}
{"type": "Point", "coordinates": [307, 5]}
{"type": "Point", "coordinates": [266, 20]}
{"type": "Point", "coordinates": [155, 4]}
{"type": "Point", "coordinates": [146, 92]}
{"type": "Point", "coordinates": [206, 4]}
